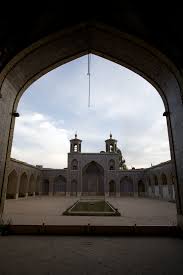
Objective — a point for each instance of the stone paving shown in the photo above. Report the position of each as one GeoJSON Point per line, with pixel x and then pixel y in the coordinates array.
{"type": "Point", "coordinates": [48, 210]}
{"type": "Point", "coordinates": [83, 255]}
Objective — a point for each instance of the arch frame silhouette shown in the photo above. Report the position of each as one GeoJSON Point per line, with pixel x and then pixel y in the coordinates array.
{"type": "Point", "coordinates": [122, 48]}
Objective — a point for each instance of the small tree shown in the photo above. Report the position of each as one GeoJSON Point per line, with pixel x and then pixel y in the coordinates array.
{"type": "Point", "coordinates": [124, 167]}
{"type": "Point", "coordinates": [4, 226]}
{"type": "Point", "coordinates": [122, 164]}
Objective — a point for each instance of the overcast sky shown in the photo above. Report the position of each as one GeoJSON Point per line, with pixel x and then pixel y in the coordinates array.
{"type": "Point", "coordinates": [56, 105]}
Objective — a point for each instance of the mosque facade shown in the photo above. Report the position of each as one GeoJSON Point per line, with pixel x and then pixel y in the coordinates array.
{"type": "Point", "coordinates": [91, 174]}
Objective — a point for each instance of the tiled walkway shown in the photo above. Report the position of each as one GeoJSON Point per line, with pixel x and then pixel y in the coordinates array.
{"type": "Point", "coordinates": [48, 210]}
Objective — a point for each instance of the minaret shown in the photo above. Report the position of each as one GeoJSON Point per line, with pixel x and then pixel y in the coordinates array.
{"type": "Point", "coordinates": [75, 145]}
{"type": "Point", "coordinates": [111, 145]}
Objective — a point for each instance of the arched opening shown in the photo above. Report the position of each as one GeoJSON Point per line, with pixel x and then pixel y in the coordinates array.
{"type": "Point", "coordinates": [172, 187]}
{"type": "Point", "coordinates": [111, 148]}
{"type": "Point", "coordinates": [111, 164]}
{"type": "Point", "coordinates": [149, 184]}
{"type": "Point", "coordinates": [172, 179]}
{"type": "Point", "coordinates": [93, 179]}
{"type": "Point", "coordinates": [157, 191]}
{"type": "Point", "coordinates": [126, 186]}
{"type": "Point", "coordinates": [23, 188]}
{"type": "Point", "coordinates": [112, 188]}
{"type": "Point", "coordinates": [164, 179]}
{"type": "Point", "coordinates": [12, 185]}
{"type": "Point", "coordinates": [31, 190]}
{"type": "Point", "coordinates": [155, 180]}
{"type": "Point", "coordinates": [141, 188]}
{"type": "Point", "coordinates": [74, 164]}
{"type": "Point", "coordinates": [59, 186]}
{"type": "Point", "coordinates": [123, 51]}
{"type": "Point", "coordinates": [165, 192]}
{"type": "Point", "coordinates": [74, 188]}
{"type": "Point", "coordinates": [37, 185]}
{"type": "Point", "coordinates": [45, 187]}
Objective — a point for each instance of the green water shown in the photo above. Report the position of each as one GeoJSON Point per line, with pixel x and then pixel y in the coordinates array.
{"type": "Point", "coordinates": [96, 206]}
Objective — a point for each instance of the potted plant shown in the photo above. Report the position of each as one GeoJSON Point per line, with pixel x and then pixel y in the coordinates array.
{"type": "Point", "coordinates": [4, 226]}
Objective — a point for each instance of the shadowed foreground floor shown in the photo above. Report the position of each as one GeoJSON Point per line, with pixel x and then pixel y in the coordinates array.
{"type": "Point", "coordinates": [90, 255]}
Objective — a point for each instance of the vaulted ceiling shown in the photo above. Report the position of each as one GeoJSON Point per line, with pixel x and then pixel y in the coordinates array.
{"type": "Point", "coordinates": [159, 25]}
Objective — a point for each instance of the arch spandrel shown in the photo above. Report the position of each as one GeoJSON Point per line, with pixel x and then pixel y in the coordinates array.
{"type": "Point", "coordinates": [104, 42]}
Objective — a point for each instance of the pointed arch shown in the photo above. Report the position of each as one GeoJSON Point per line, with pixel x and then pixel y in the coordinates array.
{"type": "Point", "coordinates": [59, 186]}
{"type": "Point", "coordinates": [74, 164]}
{"type": "Point", "coordinates": [126, 186]}
{"type": "Point", "coordinates": [172, 186]}
{"type": "Point", "coordinates": [112, 164]}
{"type": "Point", "coordinates": [31, 190]}
{"type": "Point", "coordinates": [149, 186]}
{"type": "Point", "coordinates": [112, 188]}
{"type": "Point", "coordinates": [155, 180]}
{"type": "Point", "coordinates": [45, 187]}
{"type": "Point", "coordinates": [148, 181]}
{"type": "Point", "coordinates": [12, 185]}
{"type": "Point", "coordinates": [93, 179]}
{"type": "Point", "coordinates": [23, 188]}
{"type": "Point", "coordinates": [117, 46]}
{"type": "Point", "coordinates": [156, 187]}
{"type": "Point", "coordinates": [37, 188]}
{"type": "Point", "coordinates": [164, 187]}
{"type": "Point", "coordinates": [164, 179]}
{"type": "Point", "coordinates": [141, 188]}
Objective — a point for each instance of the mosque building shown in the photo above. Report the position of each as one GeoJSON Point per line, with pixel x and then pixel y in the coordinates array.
{"type": "Point", "coordinates": [91, 174]}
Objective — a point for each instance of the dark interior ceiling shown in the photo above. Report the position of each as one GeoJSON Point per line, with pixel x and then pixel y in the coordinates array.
{"type": "Point", "coordinates": [159, 25]}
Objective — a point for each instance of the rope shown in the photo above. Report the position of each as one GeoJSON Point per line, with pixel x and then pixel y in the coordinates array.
{"type": "Point", "coordinates": [89, 85]}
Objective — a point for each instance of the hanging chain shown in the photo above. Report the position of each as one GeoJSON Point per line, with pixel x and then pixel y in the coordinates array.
{"type": "Point", "coordinates": [89, 86]}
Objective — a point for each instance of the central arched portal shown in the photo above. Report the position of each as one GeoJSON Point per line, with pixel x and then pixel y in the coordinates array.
{"type": "Point", "coordinates": [93, 179]}
{"type": "Point", "coordinates": [59, 186]}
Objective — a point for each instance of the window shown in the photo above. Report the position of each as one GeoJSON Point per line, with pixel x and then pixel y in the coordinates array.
{"type": "Point", "coordinates": [111, 148]}
{"type": "Point", "coordinates": [111, 164]}
{"type": "Point", "coordinates": [74, 164]}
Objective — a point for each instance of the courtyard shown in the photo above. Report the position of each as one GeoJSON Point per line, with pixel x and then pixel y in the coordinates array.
{"type": "Point", "coordinates": [49, 210]}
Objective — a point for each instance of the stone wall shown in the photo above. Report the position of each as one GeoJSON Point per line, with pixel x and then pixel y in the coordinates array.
{"type": "Point", "coordinates": [23, 179]}
{"type": "Point", "coordinates": [28, 180]}
{"type": "Point", "coordinates": [160, 181]}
